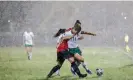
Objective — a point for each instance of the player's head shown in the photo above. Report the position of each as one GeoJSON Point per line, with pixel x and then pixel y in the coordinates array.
{"type": "Point", "coordinates": [29, 30]}
{"type": "Point", "coordinates": [77, 26]}
{"type": "Point", "coordinates": [60, 31]}
{"type": "Point", "coordinates": [77, 22]}
{"type": "Point", "coordinates": [76, 29]}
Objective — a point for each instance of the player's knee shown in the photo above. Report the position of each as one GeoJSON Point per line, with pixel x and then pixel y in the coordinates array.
{"type": "Point", "coordinates": [71, 60]}
{"type": "Point", "coordinates": [82, 59]}
{"type": "Point", "coordinates": [79, 58]}
{"type": "Point", "coordinates": [60, 62]}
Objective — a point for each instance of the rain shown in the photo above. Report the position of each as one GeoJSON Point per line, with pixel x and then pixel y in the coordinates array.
{"type": "Point", "coordinates": [111, 21]}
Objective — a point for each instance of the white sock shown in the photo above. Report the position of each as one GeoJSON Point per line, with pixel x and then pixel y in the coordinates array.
{"type": "Point", "coordinates": [57, 72]}
{"type": "Point", "coordinates": [84, 65]}
{"type": "Point", "coordinates": [30, 55]}
{"type": "Point", "coordinates": [73, 71]}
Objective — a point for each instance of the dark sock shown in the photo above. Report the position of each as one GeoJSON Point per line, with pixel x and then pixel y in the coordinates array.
{"type": "Point", "coordinates": [75, 68]}
{"type": "Point", "coordinates": [54, 69]}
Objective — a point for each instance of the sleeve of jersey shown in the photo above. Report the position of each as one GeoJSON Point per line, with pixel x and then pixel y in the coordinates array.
{"type": "Point", "coordinates": [69, 29]}
{"type": "Point", "coordinates": [68, 34]}
{"type": "Point", "coordinates": [79, 35]}
{"type": "Point", "coordinates": [59, 38]}
{"type": "Point", "coordinates": [32, 34]}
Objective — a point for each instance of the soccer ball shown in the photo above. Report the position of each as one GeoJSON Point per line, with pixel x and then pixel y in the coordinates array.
{"type": "Point", "coordinates": [99, 72]}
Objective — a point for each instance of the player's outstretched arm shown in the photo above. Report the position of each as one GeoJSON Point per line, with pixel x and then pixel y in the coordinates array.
{"type": "Point", "coordinates": [80, 38]}
{"type": "Point", "coordinates": [88, 33]}
{"type": "Point", "coordinates": [67, 38]}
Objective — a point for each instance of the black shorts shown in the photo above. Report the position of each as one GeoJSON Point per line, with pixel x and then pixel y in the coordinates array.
{"type": "Point", "coordinates": [61, 56]}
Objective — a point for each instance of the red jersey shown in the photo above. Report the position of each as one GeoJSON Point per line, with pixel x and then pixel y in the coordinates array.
{"type": "Point", "coordinates": [69, 29]}
{"type": "Point", "coordinates": [61, 46]}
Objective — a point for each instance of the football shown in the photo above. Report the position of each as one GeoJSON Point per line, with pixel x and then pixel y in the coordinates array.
{"type": "Point", "coordinates": [99, 72]}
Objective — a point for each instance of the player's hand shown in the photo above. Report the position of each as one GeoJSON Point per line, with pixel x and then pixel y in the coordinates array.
{"type": "Point", "coordinates": [81, 37]}
{"type": "Point", "coordinates": [94, 35]}
{"type": "Point", "coordinates": [82, 32]}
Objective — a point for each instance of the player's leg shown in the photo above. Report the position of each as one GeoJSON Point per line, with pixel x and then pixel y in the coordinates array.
{"type": "Point", "coordinates": [73, 51]}
{"type": "Point", "coordinates": [75, 67]}
{"type": "Point", "coordinates": [83, 63]}
{"type": "Point", "coordinates": [60, 61]}
{"type": "Point", "coordinates": [67, 55]}
{"type": "Point", "coordinates": [78, 58]}
{"type": "Point", "coordinates": [30, 52]}
{"type": "Point", "coordinates": [77, 54]}
{"type": "Point", "coordinates": [54, 69]}
{"type": "Point", "coordinates": [71, 60]}
{"type": "Point", "coordinates": [58, 72]}
{"type": "Point", "coordinates": [86, 68]}
{"type": "Point", "coordinates": [77, 63]}
{"type": "Point", "coordinates": [27, 51]}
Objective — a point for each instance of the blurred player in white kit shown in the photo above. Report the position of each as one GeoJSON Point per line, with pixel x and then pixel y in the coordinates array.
{"type": "Point", "coordinates": [126, 40]}
{"type": "Point", "coordinates": [28, 42]}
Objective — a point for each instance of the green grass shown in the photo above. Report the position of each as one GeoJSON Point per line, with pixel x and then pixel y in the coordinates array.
{"type": "Point", "coordinates": [15, 66]}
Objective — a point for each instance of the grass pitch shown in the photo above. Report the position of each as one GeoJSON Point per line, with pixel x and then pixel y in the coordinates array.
{"type": "Point", "coordinates": [14, 64]}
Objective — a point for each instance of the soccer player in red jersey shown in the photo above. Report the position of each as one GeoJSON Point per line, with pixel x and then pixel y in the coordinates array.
{"type": "Point", "coordinates": [75, 50]}
{"type": "Point", "coordinates": [63, 53]}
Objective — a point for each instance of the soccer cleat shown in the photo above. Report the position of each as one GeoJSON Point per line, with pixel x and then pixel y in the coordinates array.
{"type": "Point", "coordinates": [89, 71]}
{"type": "Point", "coordinates": [73, 72]}
{"type": "Point", "coordinates": [82, 75]}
